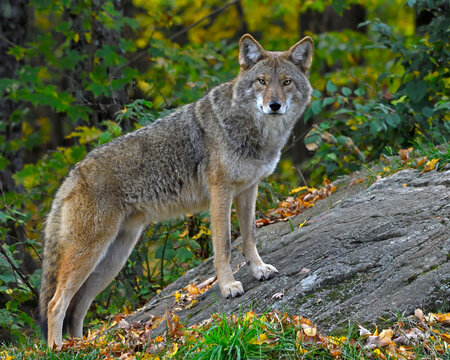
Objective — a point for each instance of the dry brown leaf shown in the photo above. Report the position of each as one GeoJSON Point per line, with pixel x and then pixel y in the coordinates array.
{"type": "Point", "coordinates": [363, 331]}
{"type": "Point", "coordinates": [123, 324]}
{"type": "Point", "coordinates": [419, 314]}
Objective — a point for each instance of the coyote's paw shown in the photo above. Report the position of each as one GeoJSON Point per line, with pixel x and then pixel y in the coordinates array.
{"type": "Point", "coordinates": [232, 289]}
{"type": "Point", "coordinates": [263, 272]}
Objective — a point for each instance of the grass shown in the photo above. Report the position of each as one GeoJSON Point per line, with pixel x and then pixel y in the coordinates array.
{"type": "Point", "coordinates": [421, 157]}
{"type": "Point", "coordinates": [250, 336]}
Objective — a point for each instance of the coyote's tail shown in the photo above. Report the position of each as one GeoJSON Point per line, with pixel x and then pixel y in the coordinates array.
{"type": "Point", "coordinates": [50, 263]}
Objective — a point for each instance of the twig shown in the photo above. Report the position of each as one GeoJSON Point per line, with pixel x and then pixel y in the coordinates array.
{"type": "Point", "coordinates": [17, 270]}
{"type": "Point", "coordinates": [161, 281]}
{"type": "Point", "coordinates": [7, 40]}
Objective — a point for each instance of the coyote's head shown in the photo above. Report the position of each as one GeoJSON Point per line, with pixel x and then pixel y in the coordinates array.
{"type": "Point", "coordinates": [275, 80]}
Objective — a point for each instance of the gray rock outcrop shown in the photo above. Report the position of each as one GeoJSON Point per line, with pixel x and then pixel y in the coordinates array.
{"type": "Point", "coordinates": [364, 254]}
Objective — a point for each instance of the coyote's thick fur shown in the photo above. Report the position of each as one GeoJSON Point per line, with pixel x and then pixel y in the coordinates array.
{"type": "Point", "coordinates": [205, 154]}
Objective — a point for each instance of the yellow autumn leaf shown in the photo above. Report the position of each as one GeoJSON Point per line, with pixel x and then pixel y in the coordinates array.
{"type": "Point", "coordinates": [184, 233]}
{"type": "Point", "coordinates": [442, 318]}
{"type": "Point", "coordinates": [385, 337]}
{"type": "Point", "coordinates": [309, 330]}
{"type": "Point", "coordinates": [296, 190]}
{"type": "Point", "coordinates": [301, 224]}
{"type": "Point", "coordinates": [177, 296]}
{"type": "Point", "coordinates": [174, 351]}
{"type": "Point", "coordinates": [191, 304]}
{"type": "Point", "coordinates": [261, 339]}
{"type": "Point", "coordinates": [249, 316]}
{"type": "Point", "coordinates": [430, 165]}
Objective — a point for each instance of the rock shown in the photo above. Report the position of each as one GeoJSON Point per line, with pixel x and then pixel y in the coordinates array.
{"type": "Point", "coordinates": [370, 253]}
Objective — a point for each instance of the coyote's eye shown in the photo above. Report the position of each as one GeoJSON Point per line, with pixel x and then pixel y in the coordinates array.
{"type": "Point", "coordinates": [287, 82]}
{"type": "Point", "coordinates": [262, 81]}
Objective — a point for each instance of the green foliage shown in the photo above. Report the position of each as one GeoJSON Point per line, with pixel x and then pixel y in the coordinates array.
{"type": "Point", "coordinates": [415, 111]}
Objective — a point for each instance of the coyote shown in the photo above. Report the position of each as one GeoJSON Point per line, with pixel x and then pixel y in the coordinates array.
{"type": "Point", "coordinates": [205, 154]}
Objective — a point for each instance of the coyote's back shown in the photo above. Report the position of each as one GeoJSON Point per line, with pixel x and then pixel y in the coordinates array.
{"type": "Point", "coordinates": [205, 154]}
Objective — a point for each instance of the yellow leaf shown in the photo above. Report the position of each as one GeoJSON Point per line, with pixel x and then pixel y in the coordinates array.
{"type": "Point", "coordinates": [76, 37]}
{"type": "Point", "coordinates": [430, 165]}
{"type": "Point", "coordinates": [259, 340]}
{"type": "Point", "coordinates": [184, 233]}
{"type": "Point", "coordinates": [249, 316]}
{"type": "Point", "coordinates": [177, 296]}
{"type": "Point", "coordinates": [296, 190]}
{"type": "Point", "coordinates": [303, 223]}
{"type": "Point", "coordinates": [309, 330]}
{"type": "Point", "coordinates": [385, 337]}
{"type": "Point", "coordinates": [175, 350]}
{"type": "Point", "coordinates": [192, 303]}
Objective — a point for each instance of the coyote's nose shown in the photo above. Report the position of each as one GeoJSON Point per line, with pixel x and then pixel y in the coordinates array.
{"type": "Point", "coordinates": [275, 105]}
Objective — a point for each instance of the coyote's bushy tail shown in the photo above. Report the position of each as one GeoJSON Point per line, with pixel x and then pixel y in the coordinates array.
{"type": "Point", "coordinates": [50, 263]}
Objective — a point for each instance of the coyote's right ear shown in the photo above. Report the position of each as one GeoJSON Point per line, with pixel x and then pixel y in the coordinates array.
{"type": "Point", "coordinates": [250, 51]}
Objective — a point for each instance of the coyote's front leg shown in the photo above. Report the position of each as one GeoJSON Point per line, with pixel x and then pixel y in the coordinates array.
{"type": "Point", "coordinates": [245, 209]}
{"type": "Point", "coordinates": [220, 208]}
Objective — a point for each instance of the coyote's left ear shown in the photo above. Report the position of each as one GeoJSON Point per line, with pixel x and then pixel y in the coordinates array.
{"type": "Point", "coordinates": [250, 51]}
{"type": "Point", "coordinates": [301, 53]}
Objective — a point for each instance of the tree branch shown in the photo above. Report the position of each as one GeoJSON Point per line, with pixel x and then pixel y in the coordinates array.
{"type": "Point", "coordinates": [17, 270]}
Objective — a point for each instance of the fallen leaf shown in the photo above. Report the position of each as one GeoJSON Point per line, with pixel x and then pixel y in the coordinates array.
{"type": "Point", "coordinates": [123, 324]}
{"type": "Point", "coordinates": [260, 339]}
{"type": "Point", "coordinates": [296, 190]}
{"type": "Point", "coordinates": [419, 314]}
{"type": "Point", "coordinates": [442, 318]}
{"type": "Point", "coordinates": [309, 330]}
{"type": "Point", "coordinates": [385, 337]}
{"type": "Point", "coordinates": [363, 331]}
{"type": "Point", "coordinates": [430, 165]}
{"type": "Point", "coordinates": [421, 161]}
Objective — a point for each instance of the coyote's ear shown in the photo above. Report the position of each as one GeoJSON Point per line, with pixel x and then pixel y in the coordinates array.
{"type": "Point", "coordinates": [301, 53]}
{"type": "Point", "coordinates": [250, 52]}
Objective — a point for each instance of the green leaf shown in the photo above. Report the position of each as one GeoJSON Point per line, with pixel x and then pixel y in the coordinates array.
{"type": "Point", "coordinates": [339, 6]}
{"type": "Point", "coordinates": [183, 254]}
{"type": "Point", "coordinates": [3, 162]}
{"type": "Point", "coordinates": [17, 51]}
{"type": "Point", "coordinates": [416, 90]}
{"type": "Point", "coordinates": [2, 217]}
{"type": "Point", "coordinates": [317, 94]}
{"type": "Point", "coordinates": [346, 91]}
{"type": "Point", "coordinates": [316, 107]}
{"type": "Point", "coordinates": [360, 91]}
{"type": "Point", "coordinates": [331, 88]}
{"type": "Point", "coordinates": [393, 120]}
{"type": "Point", "coordinates": [327, 101]}
{"type": "Point", "coordinates": [104, 137]}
